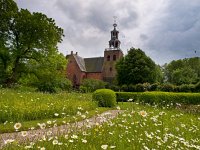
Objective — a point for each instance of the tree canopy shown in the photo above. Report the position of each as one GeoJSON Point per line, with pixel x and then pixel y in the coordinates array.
{"type": "Point", "coordinates": [24, 37]}
{"type": "Point", "coordinates": [183, 71]}
{"type": "Point", "coordinates": [136, 68]}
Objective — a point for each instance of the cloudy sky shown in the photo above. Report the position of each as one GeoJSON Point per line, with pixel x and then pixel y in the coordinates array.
{"type": "Point", "coordinates": [164, 29]}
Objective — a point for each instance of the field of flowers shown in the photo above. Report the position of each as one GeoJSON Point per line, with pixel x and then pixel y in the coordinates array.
{"type": "Point", "coordinates": [138, 128]}
{"type": "Point", "coordinates": [29, 107]}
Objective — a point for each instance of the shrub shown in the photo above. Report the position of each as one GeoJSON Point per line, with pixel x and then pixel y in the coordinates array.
{"type": "Point", "coordinates": [186, 88]}
{"type": "Point", "coordinates": [48, 87]}
{"type": "Point", "coordinates": [90, 85]}
{"type": "Point", "coordinates": [114, 88]}
{"type": "Point", "coordinates": [140, 88]}
{"type": "Point", "coordinates": [153, 87]}
{"type": "Point", "coordinates": [197, 87]}
{"type": "Point", "coordinates": [124, 88]}
{"type": "Point", "coordinates": [104, 97]}
{"type": "Point", "coordinates": [167, 87]}
{"type": "Point", "coordinates": [160, 98]}
{"type": "Point", "coordinates": [125, 96]}
{"type": "Point", "coordinates": [167, 98]}
{"type": "Point", "coordinates": [52, 85]}
{"type": "Point", "coordinates": [131, 88]}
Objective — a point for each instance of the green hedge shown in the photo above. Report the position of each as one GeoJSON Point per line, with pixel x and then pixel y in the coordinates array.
{"type": "Point", "coordinates": [125, 96]}
{"type": "Point", "coordinates": [104, 97]}
{"type": "Point", "coordinates": [161, 98]}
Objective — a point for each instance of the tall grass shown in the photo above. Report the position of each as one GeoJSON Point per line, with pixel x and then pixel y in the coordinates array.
{"type": "Point", "coordinates": [25, 106]}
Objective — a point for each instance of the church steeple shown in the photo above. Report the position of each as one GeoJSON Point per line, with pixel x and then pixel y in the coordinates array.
{"type": "Point", "coordinates": [114, 43]}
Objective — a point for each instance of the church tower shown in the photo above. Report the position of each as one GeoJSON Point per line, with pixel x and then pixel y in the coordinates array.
{"type": "Point", "coordinates": [111, 56]}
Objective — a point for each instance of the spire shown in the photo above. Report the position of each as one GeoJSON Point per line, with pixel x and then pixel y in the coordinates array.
{"type": "Point", "coordinates": [114, 43]}
{"type": "Point", "coordinates": [115, 22]}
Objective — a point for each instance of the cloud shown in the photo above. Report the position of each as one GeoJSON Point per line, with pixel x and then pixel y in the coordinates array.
{"type": "Point", "coordinates": [165, 30]}
{"type": "Point", "coordinates": [176, 36]}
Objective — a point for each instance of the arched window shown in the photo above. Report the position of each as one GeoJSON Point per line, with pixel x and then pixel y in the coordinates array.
{"type": "Point", "coordinates": [108, 58]}
{"type": "Point", "coordinates": [114, 57]}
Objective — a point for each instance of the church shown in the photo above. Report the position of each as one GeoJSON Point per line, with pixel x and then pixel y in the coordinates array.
{"type": "Point", "coordinates": [100, 68]}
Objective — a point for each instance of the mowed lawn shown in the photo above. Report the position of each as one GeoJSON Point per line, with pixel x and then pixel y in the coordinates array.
{"type": "Point", "coordinates": [140, 127]}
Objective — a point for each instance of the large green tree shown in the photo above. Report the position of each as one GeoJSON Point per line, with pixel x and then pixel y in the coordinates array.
{"type": "Point", "coordinates": [183, 71]}
{"type": "Point", "coordinates": [136, 68]}
{"type": "Point", "coordinates": [24, 36]}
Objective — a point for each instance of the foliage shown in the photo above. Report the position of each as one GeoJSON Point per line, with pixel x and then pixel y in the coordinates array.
{"type": "Point", "coordinates": [24, 37]}
{"type": "Point", "coordinates": [136, 68]}
{"type": "Point", "coordinates": [50, 74]}
{"type": "Point", "coordinates": [126, 96]}
{"type": "Point", "coordinates": [183, 71]}
{"type": "Point", "coordinates": [104, 97]}
{"type": "Point", "coordinates": [90, 85]}
{"type": "Point", "coordinates": [186, 88]}
{"type": "Point", "coordinates": [197, 87]}
{"type": "Point", "coordinates": [167, 87]}
{"type": "Point", "coordinates": [18, 106]}
{"type": "Point", "coordinates": [161, 98]}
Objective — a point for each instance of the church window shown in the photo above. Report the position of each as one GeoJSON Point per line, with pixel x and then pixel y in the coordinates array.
{"type": "Point", "coordinates": [114, 57]}
{"type": "Point", "coordinates": [108, 58]}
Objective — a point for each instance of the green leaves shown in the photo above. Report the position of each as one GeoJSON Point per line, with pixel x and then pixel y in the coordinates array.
{"type": "Point", "coordinates": [184, 71]}
{"type": "Point", "coordinates": [136, 68]}
{"type": "Point", "coordinates": [24, 36]}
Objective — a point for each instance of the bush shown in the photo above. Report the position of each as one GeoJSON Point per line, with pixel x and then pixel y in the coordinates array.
{"type": "Point", "coordinates": [186, 88]}
{"type": "Point", "coordinates": [154, 87]}
{"type": "Point", "coordinates": [167, 87]}
{"type": "Point", "coordinates": [90, 85]}
{"type": "Point", "coordinates": [47, 87]}
{"type": "Point", "coordinates": [197, 87]}
{"type": "Point", "coordinates": [104, 97]}
{"type": "Point", "coordinates": [140, 88]}
{"type": "Point", "coordinates": [124, 88]}
{"type": "Point", "coordinates": [113, 87]}
{"type": "Point", "coordinates": [131, 88]}
{"type": "Point", "coordinates": [161, 98]}
{"type": "Point", "coordinates": [53, 84]}
{"type": "Point", "coordinates": [125, 96]}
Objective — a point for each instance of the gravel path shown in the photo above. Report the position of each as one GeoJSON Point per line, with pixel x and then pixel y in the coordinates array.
{"type": "Point", "coordinates": [34, 135]}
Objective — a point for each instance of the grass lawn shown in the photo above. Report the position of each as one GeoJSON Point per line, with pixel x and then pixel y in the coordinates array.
{"type": "Point", "coordinates": [140, 127]}
{"type": "Point", "coordinates": [31, 108]}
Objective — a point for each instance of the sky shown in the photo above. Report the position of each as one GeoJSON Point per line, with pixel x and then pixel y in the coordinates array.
{"type": "Point", "coordinates": [165, 30]}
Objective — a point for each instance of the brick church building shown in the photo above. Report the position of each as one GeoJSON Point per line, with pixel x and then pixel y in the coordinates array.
{"type": "Point", "coordinates": [101, 68]}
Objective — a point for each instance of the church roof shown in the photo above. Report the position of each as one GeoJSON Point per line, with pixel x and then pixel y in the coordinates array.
{"type": "Point", "coordinates": [81, 63]}
{"type": "Point", "coordinates": [94, 64]}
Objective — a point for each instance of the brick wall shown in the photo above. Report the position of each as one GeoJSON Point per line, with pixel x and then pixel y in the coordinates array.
{"type": "Point", "coordinates": [97, 76]}
{"type": "Point", "coordinates": [73, 71]}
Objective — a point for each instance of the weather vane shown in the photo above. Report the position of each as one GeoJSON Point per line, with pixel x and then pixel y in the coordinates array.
{"type": "Point", "coordinates": [115, 19]}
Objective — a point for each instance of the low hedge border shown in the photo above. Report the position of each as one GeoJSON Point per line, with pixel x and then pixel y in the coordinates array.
{"type": "Point", "coordinates": [160, 98]}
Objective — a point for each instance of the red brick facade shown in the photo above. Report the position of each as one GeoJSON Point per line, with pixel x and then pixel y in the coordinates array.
{"type": "Point", "coordinates": [101, 68]}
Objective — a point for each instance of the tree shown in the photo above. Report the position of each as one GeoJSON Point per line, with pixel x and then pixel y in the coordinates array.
{"type": "Point", "coordinates": [24, 36]}
{"type": "Point", "coordinates": [183, 71]}
{"type": "Point", "coordinates": [48, 74]}
{"type": "Point", "coordinates": [136, 68]}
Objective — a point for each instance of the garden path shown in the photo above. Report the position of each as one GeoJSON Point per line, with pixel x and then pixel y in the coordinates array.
{"type": "Point", "coordinates": [35, 135]}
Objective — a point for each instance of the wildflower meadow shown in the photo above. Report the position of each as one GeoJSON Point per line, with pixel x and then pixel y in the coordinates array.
{"type": "Point", "coordinates": [137, 127]}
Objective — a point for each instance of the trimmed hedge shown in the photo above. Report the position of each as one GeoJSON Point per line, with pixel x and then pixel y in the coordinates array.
{"type": "Point", "coordinates": [125, 96]}
{"type": "Point", "coordinates": [161, 98]}
{"type": "Point", "coordinates": [104, 97]}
